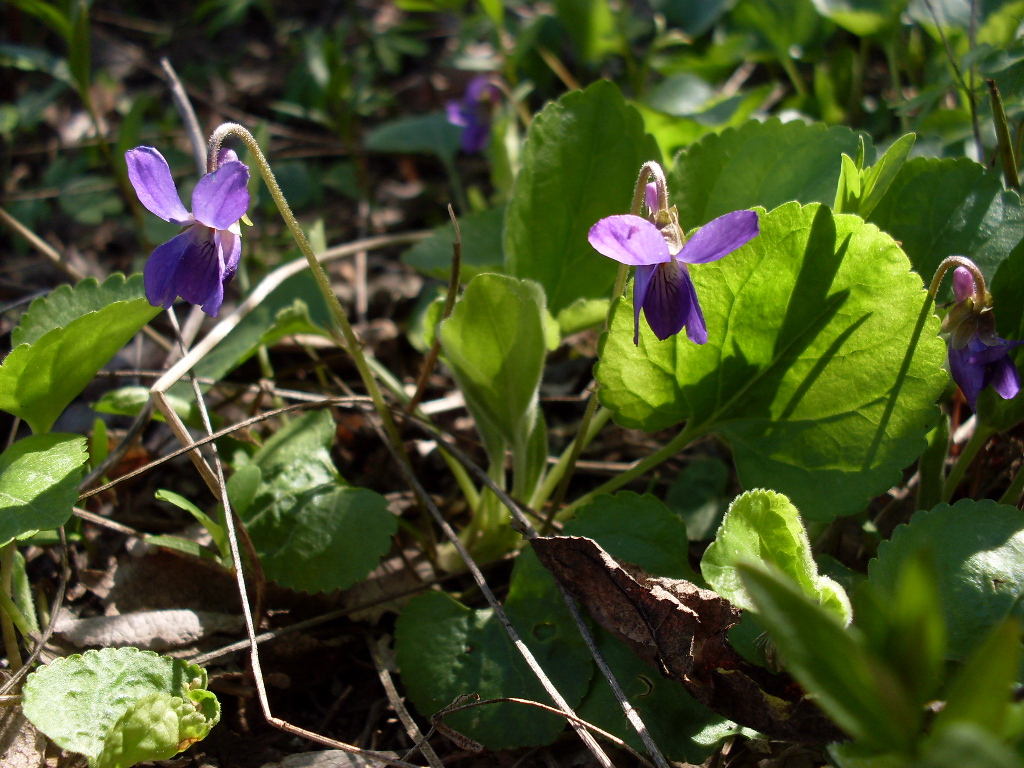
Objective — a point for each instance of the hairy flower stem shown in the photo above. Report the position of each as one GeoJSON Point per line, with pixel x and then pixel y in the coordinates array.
{"type": "Point", "coordinates": [350, 340]}
{"type": "Point", "coordinates": [957, 261]}
{"type": "Point", "coordinates": [563, 471]}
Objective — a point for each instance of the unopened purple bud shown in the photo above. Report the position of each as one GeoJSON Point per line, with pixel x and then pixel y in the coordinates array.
{"type": "Point", "coordinates": [963, 284]}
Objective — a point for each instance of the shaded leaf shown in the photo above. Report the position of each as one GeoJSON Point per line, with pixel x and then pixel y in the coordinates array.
{"type": "Point", "coordinates": [579, 164]}
{"type": "Point", "coordinates": [481, 247]}
{"type": "Point", "coordinates": [445, 650]}
{"type": "Point", "coordinates": [39, 478]}
{"type": "Point", "coordinates": [978, 550]}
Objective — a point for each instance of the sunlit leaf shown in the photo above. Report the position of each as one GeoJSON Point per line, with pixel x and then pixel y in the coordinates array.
{"type": "Point", "coordinates": [121, 706]}
{"type": "Point", "coordinates": [821, 370]}
{"type": "Point", "coordinates": [39, 478]}
{"type": "Point", "coordinates": [764, 526]}
{"type": "Point", "coordinates": [760, 164]}
{"type": "Point", "coordinates": [66, 340]}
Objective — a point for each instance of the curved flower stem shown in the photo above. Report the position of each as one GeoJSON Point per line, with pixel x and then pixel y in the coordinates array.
{"type": "Point", "coordinates": [963, 461]}
{"type": "Point", "coordinates": [650, 168]}
{"type": "Point", "coordinates": [686, 436]}
{"type": "Point", "coordinates": [957, 261]}
{"type": "Point", "coordinates": [351, 341]}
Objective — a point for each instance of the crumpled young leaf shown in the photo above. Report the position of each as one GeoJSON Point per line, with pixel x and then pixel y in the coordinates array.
{"type": "Point", "coordinates": [764, 526]}
{"type": "Point", "coordinates": [121, 706]}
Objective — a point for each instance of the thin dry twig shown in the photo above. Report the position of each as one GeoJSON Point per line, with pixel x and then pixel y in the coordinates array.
{"type": "Point", "coordinates": [522, 524]}
{"type": "Point", "coordinates": [499, 611]}
{"type": "Point", "coordinates": [413, 730]}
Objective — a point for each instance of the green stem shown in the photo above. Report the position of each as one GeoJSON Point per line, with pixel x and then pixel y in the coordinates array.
{"type": "Point", "coordinates": [894, 75]}
{"type": "Point", "coordinates": [593, 422]}
{"type": "Point", "coordinates": [10, 615]}
{"type": "Point", "coordinates": [686, 436]}
{"type": "Point", "coordinates": [963, 461]}
{"type": "Point", "coordinates": [460, 473]}
{"type": "Point", "coordinates": [793, 74]}
{"type": "Point", "coordinates": [1013, 493]}
{"type": "Point", "coordinates": [1009, 162]}
{"type": "Point", "coordinates": [352, 342]}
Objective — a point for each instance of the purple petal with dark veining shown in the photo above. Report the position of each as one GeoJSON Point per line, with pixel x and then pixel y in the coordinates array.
{"type": "Point", "coordinates": [629, 240]}
{"type": "Point", "coordinates": [151, 177]}
{"type": "Point", "coordinates": [720, 237]}
{"type": "Point", "coordinates": [231, 246]}
{"type": "Point", "coordinates": [221, 198]}
{"type": "Point", "coordinates": [200, 277]}
{"type": "Point", "coordinates": [696, 328]}
{"type": "Point", "coordinates": [160, 273]}
{"type": "Point", "coordinates": [667, 300]}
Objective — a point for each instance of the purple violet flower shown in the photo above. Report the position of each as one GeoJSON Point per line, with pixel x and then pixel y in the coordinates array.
{"type": "Point", "coordinates": [473, 113]}
{"type": "Point", "coordinates": [198, 263]}
{"type": "Point", "coordinates": [662, 286]}
{"type": "Point", "coordinates": [978, 357]}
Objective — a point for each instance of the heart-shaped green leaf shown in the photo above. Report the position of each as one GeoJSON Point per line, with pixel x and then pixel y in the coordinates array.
{"type": "Point", "coordinates": [822, 367]}
{"type": "Point", "coordinates": [759, 164]}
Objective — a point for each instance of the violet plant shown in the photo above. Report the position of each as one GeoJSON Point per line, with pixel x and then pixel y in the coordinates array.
{"type": "Point", "coordinates": [813, 358]}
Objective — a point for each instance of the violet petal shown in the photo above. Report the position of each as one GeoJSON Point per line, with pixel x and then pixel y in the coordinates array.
{"type": "Point", "coordinates": [696, 328]}
{"type": "Point", "coordinates": [641, 283]}
{"type": "Point", "coordinates": [161, 271]}
{"type": "Point", "coordinates": [221, 198]}
{"type": "Point", "coordinates": [969, 377]}
{"type": "Point", "coordinates": [629, 240]}
{"type": "Point", "coordinates": [475, 136]}
{"type": "Point", "coordinates": [230, 244]}
{"type": "Point", "coordinates": [1005, 379]}
{"type": "Point", "coordinates": [668, 299]}
{"type": "Point", "coordinates": [200, 278]}
{"type": "Point", "coordinates": [720, 237]}
{"type": "Point", "coordinates": [456, 113]}
{"type": "Point", "coordinates": [151, 177]}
